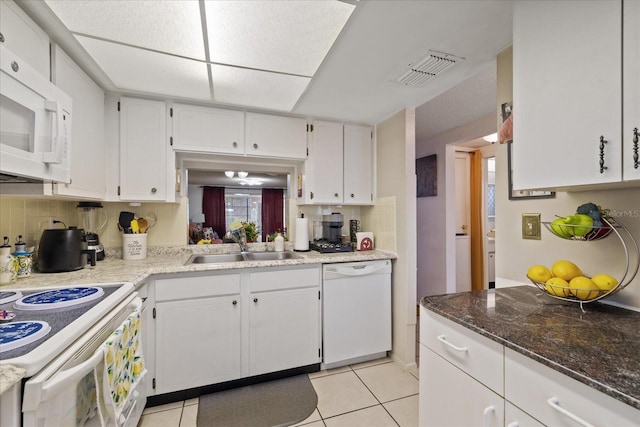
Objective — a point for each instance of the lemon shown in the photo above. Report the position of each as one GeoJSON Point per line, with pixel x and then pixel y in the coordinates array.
{"type": "Point", "coordinates": [539, 273]}
{"type": "Point", "coordinates": [584, 288]}
{"type": "Point", "coordinates": [558, 287]}
{"type": "Point", "coordinates": [604, 281]}
{"type": "Point", "coordinates": [565, 270]}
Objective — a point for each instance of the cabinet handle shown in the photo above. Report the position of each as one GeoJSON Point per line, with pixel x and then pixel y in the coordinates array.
{"type": "Point", "coordinates": [485, 415]}
{"type": "Point", "coordinates": [443, 340]}
{"type": "Point", "coordinates": [635, 148]}
{"type": "Point", "coordinates": [602, 142]}
{"type": "Point", "coordinates": [311, 195]}
{"type": "Point", "coordinates": [353, 195]}
{"type": "Point", "coordinates": [513, 424]}
{"type": "Point", "coordinates": [1, 38]}
{"type": "Point", "coordinates": [554, 402]}
{"type": "Point", "coordinates": [14, 66]}
{"type": "Point", "coordinates": [235, 144]}
{"type": "Point", "coordinates": [335, 194]}
{"type": "Point", "coordinates": [154, 190]}
{"type": "Point", "coordinates": [255, 146]}
{"type": "Point", "coordinates": [234, 302]}
{"type": "Point", "coordinates": [255, 300]}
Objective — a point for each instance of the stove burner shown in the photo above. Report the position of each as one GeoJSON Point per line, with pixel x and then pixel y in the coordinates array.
{"type": "Point", "coordinates": [9, 296]}
{"type": "Point", "coordinates": [58, 298]}
{"type": "Point", "coordinates": [16, 334]}
{"type": "Point", "coordinates": [323, 246]}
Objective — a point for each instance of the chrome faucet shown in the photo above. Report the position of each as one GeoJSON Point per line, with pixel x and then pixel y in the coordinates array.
{"type": "Point", "coordinates": [240, 237]}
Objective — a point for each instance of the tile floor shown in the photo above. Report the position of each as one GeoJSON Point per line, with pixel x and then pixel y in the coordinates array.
{"type": "Point", "coordinates": [376, 393]}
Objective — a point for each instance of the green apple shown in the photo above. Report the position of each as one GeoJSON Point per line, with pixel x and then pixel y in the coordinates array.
{"type": "Point", "coordinates": [581, 224]}
{"type": "Point", "coordinates": [559, 227]}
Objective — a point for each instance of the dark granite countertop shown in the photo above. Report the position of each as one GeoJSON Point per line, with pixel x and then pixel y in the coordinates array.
{"type": "Point", "coordinates": [599, 347]}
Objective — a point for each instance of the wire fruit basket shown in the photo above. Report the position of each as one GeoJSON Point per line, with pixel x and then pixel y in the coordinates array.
{"type": "Point", "coordinates": [587, 295]}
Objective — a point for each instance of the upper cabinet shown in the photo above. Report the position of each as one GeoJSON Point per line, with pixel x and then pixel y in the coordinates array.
{"type": "Point", "coordinates": [88, 164]}
{"type": "Point", "coordinates": [568, 93]}
{"type": "Point", "coordinates": [339, 167]}
{"type": "Point", "coordinates": [208, 130]}
{"type": "Point", "coordinates": [147, 164]}
{"type": "Point", "coordinates": [24, 37]}
{"type": "Point", "coordinates": [631, 89]}
{"type": "Point", "coordinates": [275, 136]}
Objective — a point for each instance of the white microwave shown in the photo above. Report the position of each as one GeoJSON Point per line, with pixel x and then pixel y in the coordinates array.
{"type": "Point", "coordinates": [35, 123]}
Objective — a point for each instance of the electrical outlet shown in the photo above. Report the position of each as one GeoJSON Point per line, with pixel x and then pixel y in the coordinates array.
{"type": "Point", "coordinates": [531, 226]}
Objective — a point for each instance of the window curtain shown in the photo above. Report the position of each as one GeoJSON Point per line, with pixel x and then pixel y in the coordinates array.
{"type": "Point", "coordinates": [272, 211]}
{"type": "Point", "coordinates": [213, 207]}
{"type": "Point", "coordinates": [477, 238]}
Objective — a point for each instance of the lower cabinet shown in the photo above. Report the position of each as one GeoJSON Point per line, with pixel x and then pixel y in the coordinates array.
{"type": "Point", "coordinates": [221, 326]}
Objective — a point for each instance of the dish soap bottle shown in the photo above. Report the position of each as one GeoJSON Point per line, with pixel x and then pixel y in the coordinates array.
{"type": "Point", "coordinates": [6, 273]}
{"type": "Point", "coordinates": [279, 243]}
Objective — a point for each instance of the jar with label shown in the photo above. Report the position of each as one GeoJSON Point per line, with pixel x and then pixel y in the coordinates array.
{"type": "Point", "coordinates": [22, 264]}
{"type": "Point", "coordinates": [6, 272]}
{"type": "Point", "coordinates": [279, 243]}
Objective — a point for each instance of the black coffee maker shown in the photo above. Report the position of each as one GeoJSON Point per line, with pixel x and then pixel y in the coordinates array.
{"type": "Point", "coordinates": [332, 227]}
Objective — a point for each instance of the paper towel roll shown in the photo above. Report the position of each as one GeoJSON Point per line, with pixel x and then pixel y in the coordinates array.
{"type": "Point", "coordinates": [302, 234]}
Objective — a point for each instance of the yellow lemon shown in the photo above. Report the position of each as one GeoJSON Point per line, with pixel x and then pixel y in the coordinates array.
{"type": "Point", "coordinates": [558, 287]}
{"type": "Point", "coordinates": [539, 273]}
{"type": "Point", "coordinates": [565, 270]}
{"type": "Point", "coordinates": [584, 288]}
{"type": "Point", "coordinates": [604, 281]}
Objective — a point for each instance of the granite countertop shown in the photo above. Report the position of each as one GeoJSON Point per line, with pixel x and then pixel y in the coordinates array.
{"type": "Point", "coordinates": [171, 259]}
{"type": "Point", "coordinates": [599, 347]}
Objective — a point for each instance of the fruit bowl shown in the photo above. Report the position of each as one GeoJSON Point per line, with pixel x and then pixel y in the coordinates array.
{"type": "Point", "coordinates": [566, 293]}
{"type": "Point", "coordinates": [568, 231]}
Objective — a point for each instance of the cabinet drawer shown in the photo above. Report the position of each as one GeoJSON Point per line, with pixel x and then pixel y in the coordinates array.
{"type": "Point", "coordinates": [196, 287]}
{"type": "Point", "coordinates": [273, 280]}
{"type": "Point", "coordinates": [478, 356]}
{"type": "Point", "coordinates": [529, 385]}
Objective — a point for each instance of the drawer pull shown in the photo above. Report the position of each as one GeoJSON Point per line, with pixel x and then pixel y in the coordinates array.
{"type": "Point", "coordinates": [485, 420]}
{"type": "Point", "coordinates": [513, 424]}
{"type": "Point", "coordinates": [443, 340]}
{"type": "Point", "coordinates": [554, 402]}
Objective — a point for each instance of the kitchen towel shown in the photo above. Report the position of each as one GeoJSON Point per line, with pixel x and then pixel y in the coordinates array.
{"type": "Point", "coordinates": [302, 235]}
{"type": "Point", "coordinates": [121, 371]}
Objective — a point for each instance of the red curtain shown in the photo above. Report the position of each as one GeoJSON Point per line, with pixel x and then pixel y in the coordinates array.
{"type": "Point", "coordinates": [213, 208]}
{"type": "Point", "coordinates": [272, 211]}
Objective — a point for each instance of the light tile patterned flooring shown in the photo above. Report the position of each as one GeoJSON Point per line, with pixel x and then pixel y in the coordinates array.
{"type": "Point", "coordinates": [376, 393]}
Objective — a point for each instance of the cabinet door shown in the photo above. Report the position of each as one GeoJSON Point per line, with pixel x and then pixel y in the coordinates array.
{"type": "Point", "coordinates": [197, 342]}
{"type": "Point", "coordinates": [88, 158]}
{"type": "Point", "coordinates": [207, 130]}
{"type": "Point", "coordinates": [284, 330]}
{"type": "Point", "coordinates": [358, 165]}
{"type": "Point", "coordinates": [23, 37]}
{"type": "Point", "coordinates": [323, 167]}
{"type": "Point", "coordinates": [450, 397]}
{"type": "Point", "coordinates": [143, 150]}
{"type": "Point", "coordinates": [515, 417]}
{"type": "Point", "coordinates": [275, 136]}
{"type": "Point", "coordinates": [567, 69]}
{"type": "Point", "coordinates": [631, 90]}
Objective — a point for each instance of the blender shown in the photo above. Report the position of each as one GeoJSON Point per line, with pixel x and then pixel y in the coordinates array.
{"type": "Point", "coordinates": [92, 220]}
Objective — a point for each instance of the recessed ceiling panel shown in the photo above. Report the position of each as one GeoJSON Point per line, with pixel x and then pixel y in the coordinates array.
{"type": "Point", "coordinates": [284, 36]}
{"type": "Point", "coordinates": [256, 88]}
{"type": "Point", "coordinates": [168, 26]}
{"type": "Point", "coordinates": [148, 72]}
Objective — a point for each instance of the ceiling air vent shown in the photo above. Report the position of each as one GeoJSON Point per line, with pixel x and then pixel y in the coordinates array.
{"type": "Point", "coordinates": [427, 68]}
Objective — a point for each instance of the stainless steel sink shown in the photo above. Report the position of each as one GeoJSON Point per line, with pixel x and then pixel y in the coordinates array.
{"type": "Point", "coordinates": [270, 256]}
{"type": "Point", "coordinates": [237, 257]}
{"type": "Point", "coordinates": [213, 258]}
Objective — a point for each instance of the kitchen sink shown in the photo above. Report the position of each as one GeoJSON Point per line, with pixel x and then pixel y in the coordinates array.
{"type": "Point", "coordinates": [237, 257]}
{"type": "Point", "coordinates": [214, 258]}
{"type": "Point", "coordinates": [270, 256]}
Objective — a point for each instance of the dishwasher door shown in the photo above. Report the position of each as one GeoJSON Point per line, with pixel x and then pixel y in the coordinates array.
{"type": "Point", "coordinates": [356, 312]}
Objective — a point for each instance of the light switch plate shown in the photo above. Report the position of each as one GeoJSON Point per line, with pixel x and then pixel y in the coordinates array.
{"type": "Point", "coordinates": [531, 226]}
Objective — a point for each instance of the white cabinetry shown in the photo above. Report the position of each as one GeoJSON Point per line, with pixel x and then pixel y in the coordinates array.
{"type": "Point", "coordinates": [24, 37]}
{"type": "Point", "coordinates": [339, 167]}
{"type": "Point", "coordinates": [461, 379]}
{"type": "Point", "coordinates": [207, 130]}
{"type": "Point", "coordinates": [88, 164]}
{"type": "Point", "coordinates": [631, 89]}
{"type": "Point", "coordinates": [275, 136]}
{"type": "Point", "coordinates": [146, 160]}
{"type": "Point", "coordinates": [567, 97]}
{"type": "Point", "coordinates": [220, 326]}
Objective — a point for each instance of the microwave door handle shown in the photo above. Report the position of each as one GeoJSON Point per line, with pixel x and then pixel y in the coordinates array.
{"type": "Point", "coordinates": [60, 381]}
{"type": "Point", "coordinates": [55, 156]}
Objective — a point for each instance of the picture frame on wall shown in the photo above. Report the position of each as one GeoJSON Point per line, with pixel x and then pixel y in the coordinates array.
{"type": "Point", "coordinates": [519, 194]}
{"type": "Point", "coordinates": [427, 174]}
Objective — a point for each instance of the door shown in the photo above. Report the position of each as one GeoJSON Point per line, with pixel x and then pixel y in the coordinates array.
{"type": "Point", "coordinates": [462, 192]}
{"type": "Point", "coordinates": [358, 165]}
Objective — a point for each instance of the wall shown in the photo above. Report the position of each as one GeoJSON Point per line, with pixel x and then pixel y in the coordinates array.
{"type": "Point", "coordinates": [515, 255]}
{"type": "Point", "coordinates": [30, 216]}
{"type": "Point", "coordinates": [393, 220]}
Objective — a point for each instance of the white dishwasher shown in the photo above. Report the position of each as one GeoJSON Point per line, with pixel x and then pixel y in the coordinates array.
{"type": "Point", "coordinates": [356, 312]}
